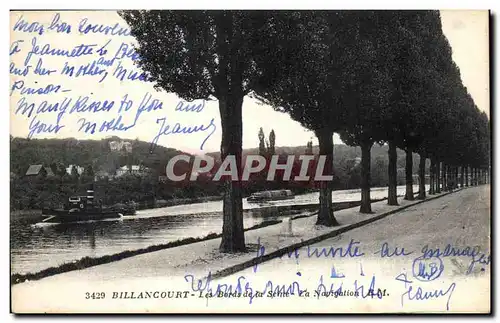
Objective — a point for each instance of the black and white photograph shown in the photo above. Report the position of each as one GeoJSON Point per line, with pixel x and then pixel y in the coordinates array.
{"type": "Point", "coordinates": [250, 161]}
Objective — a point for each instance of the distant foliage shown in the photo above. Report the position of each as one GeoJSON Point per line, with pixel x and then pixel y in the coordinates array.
{"type": "Point", "coordinates": [42, 191]}
{"type": "Point", "coordinates": [60, 153]}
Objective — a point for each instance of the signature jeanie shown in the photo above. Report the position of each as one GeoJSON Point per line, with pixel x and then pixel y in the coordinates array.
{"type": "Point", "coordinates": [179, 129]}
{"type": "Point", "coordinates": [417, 293]}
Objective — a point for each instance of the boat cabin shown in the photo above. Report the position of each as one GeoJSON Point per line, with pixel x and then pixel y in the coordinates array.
{"type": "Point", "coordinates": [271, 195]}
{"type": "Point", "coordinates": [79, 202]}
{"type": "Point", "coordinates": [82, 202]}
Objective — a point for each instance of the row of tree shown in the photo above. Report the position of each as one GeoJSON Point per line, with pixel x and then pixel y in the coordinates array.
{"type": "Point", "coordinates": [371, 76]}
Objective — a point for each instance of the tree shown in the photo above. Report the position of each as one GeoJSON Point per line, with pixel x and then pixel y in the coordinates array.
{"type": "Point", "coordinates": [309, 148]}
{"type": "Point", "coordinates": [272, 142]}
{"type": "Point", "coordinates": [411, 90]}
{"type": "Point", "coordinates": [207, 55]}
{"type": "Point", "coordinates": [311, 81]}
{"type": "Point", "coordinates": [74, 173]}
{"type": "Point", "coordinates": [53, 168]}
{"type": "Point", "coordinates": [367, 95]}
{"type": "Point", "coordinates": [89, 171]}
{"type": "Point", "coordinates": [43, 172]}
{"type": "Point", "coordinates": [379, 172]}
{"type": "Point", "coordinates": [394, 47]}
{"type": "Point", "coordinates": [60, 170]}
{"type": "Point", "coordinates": [433, 114]}
{"type": "Point", "coordinates": [417, 48]}
{"type": "Point", "coordinates": [262, 145]}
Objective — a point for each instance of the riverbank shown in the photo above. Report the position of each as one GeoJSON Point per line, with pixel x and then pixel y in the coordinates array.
{"type": "Point", "coordinates": [35, 214]}
{"type": "Point", "coordinates": [25, 214]}
{"type": "Point", "coordinates": [166, 270]}
{"type": "Point", "coordinates": [346, 213]}
{"type": "Point", "coordinates": [36, 246]}
{"type": "Point", "coordinates": [300, 211]}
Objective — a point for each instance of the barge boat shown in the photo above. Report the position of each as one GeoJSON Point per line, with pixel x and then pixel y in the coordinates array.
{"type": "Point", "coordinates": [80, 209]}
{"type": "Point", "coordinates": [275, 195]}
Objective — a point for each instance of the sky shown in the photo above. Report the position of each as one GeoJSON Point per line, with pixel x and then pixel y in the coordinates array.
{"type": "Point", "coordinates": [136, 106]}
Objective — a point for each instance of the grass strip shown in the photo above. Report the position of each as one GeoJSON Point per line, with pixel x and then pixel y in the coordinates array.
{"type": "Point", "coordinates": [87, 262]}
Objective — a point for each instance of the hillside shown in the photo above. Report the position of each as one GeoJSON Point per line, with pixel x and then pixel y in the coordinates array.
{"type": "Point", "coordinates": [98, 153]}
{"type": "Point", "coordinates": [108, 154]}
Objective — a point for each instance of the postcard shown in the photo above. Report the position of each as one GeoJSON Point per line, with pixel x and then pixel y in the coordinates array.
{"type": "Point", "coordinates": [250, 161]}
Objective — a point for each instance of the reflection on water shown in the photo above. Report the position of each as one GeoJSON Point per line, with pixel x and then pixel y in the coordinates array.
{"type": "Point", "coordinates": [35, 247]}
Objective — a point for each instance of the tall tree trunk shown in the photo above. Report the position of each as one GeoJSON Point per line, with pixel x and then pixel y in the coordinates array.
{"type": "Point", "coordinates": [233, 236]}
{"type": "Point", "coordinates": [449, 177]}
{"type": "Point", "coordinates": [392, 197]}
{"type": "Point", "coordinates": [439, 178]}
{"type": "Point", "coordinates": [456, 176]}
{"type": "Point", "coordinates": [462, 174]}
{"type": "Point", "coordinates": [230, 94]}
{"type": "Point", "coordinates": [445, 180]}
{"type": "Point", "coordinates": [325, 215]}
{"type": "Point", "coordinates": [409, 175]}
{"type": "Point", "coordinates": [466, 175]}
{"type": "Point", "coordinates": [436, 176]}
{"type": "Point", "coordinates": [421, 178]}
{"type": "Point", "coordinates": [453, 177]}
{"type": "Point", "coordinates": [432, 177]}
{"type": "Point", "coordinates": [366, 206]}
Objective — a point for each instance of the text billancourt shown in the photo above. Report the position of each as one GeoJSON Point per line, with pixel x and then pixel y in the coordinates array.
{"type": "Point", "coordinates": [252, 164]}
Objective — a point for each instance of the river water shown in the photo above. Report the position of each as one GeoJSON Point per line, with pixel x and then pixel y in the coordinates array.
{"type": "Point", "coordinates": [36, 246]}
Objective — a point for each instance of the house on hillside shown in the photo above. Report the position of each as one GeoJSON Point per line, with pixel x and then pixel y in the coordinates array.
{"type": "Point", "coordinates": [120, 145]}
{"type": "Point", "coordinates": [79, 169]}
{"type": "Point", "coordinates": [35, 170]}
{"type": "Point", "coordinates": [133, 169]}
